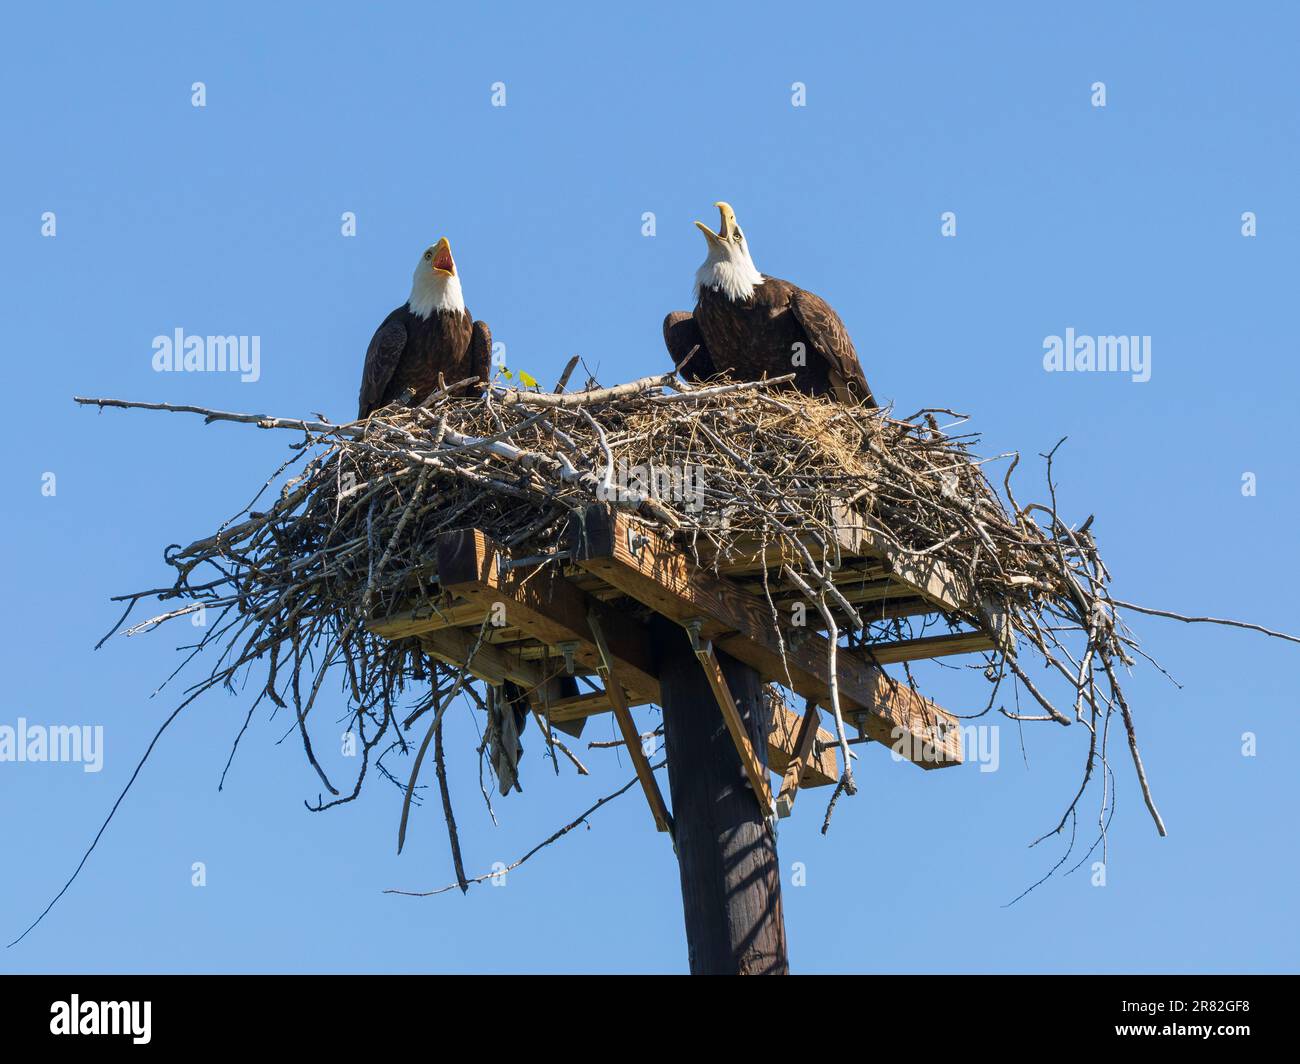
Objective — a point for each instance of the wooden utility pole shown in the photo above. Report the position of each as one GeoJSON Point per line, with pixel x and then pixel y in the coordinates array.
{"type": "Point", "coordinates": [726, 848]}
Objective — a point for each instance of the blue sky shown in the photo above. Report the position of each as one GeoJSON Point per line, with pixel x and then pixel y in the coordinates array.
{"type": "Point", "coordinates": [226, 219]}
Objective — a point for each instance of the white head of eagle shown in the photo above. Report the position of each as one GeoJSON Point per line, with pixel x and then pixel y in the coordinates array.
{"type": "Point", "coordinates": [727, 267]}
{"type": "Point", "coordinates": [436, 282]}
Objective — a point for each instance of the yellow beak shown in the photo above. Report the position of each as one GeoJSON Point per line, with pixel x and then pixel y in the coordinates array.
{"type": "Point", "coordinates": [726, 224]}
{"type": "Point", "coordinates": [442, 261]}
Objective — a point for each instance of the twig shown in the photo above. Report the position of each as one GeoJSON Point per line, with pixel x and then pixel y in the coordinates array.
{"type": "Point", "coordinates": [1206, 620]}
{"type": "Point", "coordinates": [579, 820]}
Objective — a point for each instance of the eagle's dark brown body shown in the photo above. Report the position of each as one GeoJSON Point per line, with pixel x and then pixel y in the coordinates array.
{"type": "Point", "coordinates": [408, 352]}
{"type": "Point", "coordinates": [756, 337]}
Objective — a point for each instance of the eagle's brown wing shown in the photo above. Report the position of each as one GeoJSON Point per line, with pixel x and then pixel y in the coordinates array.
{"type": "Point", "coordinates": [382, 356]}
{"type": "Point", "coordinates": [480, 355]}
{"type": "Point", "coordinates": [827, 335]}
{"type": "Point", "coordinates": [682, 336]}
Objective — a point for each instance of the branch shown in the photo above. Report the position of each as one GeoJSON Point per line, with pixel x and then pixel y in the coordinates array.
{"type": "Point", "coordinates": [1206, 620]}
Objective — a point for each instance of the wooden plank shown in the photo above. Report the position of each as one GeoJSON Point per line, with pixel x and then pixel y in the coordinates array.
{"type": "Point", "coordinates": [931, 646]}
{"type": "Point", "coordinates": [442, 612]}
{"type": "Point", "coordinates": [545, 606]}
{"type": "Point", "coordinates": [632, 741]}
{"type": "Point", "coordinates": [548, 607]}
{"type": "Point", "coordinates": [904, 577]}
{"type": "Point", "coordinates": [937, 583]}
{"type": "Point", "coordinates": [853, 585]}
{"type": "Point", "coordinates": [491, 664]}
{"type": "Point", "coordinates": [587, 704]}
{"type": "Point", "coordinates": [626, 725]}
{"type": "Point", "coordinates": [754, 768]}
{"type": "Point", "coordinates": [882, 608]}
{"type": "Point", "coordinates": [927, 577]}
{"type": "Point", "coordinates": [494, 665]}
{"type": "Point", "coordinates": [652, 570]}
{"type": "Point", "coordinates": [745, 554]}
{"type": "Point", "coordinates": [746, 551]}
{"type": "Point", "coordinates": [821, 769]}
{"type": "Point", "coordinates": [805, 744]}
{"type": "Point", "coordinates": [576, 707]}
{"type": "Point", "coordinates": [895, 715]}
{"type": "Point", "coordinates": [874, 603]}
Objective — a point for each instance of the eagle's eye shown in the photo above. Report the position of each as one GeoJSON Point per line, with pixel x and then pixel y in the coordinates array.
{"type": "Point", "coordinates": [737, 237]}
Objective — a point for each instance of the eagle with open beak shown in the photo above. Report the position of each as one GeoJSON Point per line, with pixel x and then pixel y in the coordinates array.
{"type": "Point", "coordinates": [430, 334]}
{"type": "Point", "coordinates": [749, 326]}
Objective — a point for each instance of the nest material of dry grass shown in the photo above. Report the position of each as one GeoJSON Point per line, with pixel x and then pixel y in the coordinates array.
{"type": "Point", "coordinates": [348, 532]}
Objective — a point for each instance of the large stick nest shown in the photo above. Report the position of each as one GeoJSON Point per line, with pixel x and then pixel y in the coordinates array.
{"type": "Point", "coordinates": [348, 532]}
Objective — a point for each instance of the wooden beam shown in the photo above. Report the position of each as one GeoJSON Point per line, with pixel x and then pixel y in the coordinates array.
{"type": "Point", "coordinates": [491, 664]}
{"type": "Point", "coordinates": [549, 608]}
{"type": "Point", "coordinates": [751, 552]}
{"type": "Point", "coordinates": [931, 646]}
{"type": "Point", "coordinates": [872, 569]}
{"type": "Point", "coordinates": [821, 769]}
{"type": "Point", "coordinates": [937, 583]}
{"type": "Point", "coordinates": [782, 737]}
{"type": "Point", "coordinates": [854, 586]}
{"type": "Point", "coordinates": [544, 605]}
{"type": "Point", "coordinates": [577, 707]}
{"type": "Point", "coordinates": [441, 612]}
{"type": "Point", "coordinates": [927, 577]}
{"type": "Point", "coordinates": [652, 570]}
{"type": "Point", "coordinates": [626, 725]}
{"type": "Point", "coordinates": [805, 745]}
{"type": "Point", "coordinates": [495, 666]}
{"type": "Point", "coordinates": [875, 602]}
{"type": "Point", "coordinates": [754, 768]}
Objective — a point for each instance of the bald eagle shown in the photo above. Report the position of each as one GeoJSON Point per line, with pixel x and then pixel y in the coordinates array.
{"type": "Point", "coordinates": [431, 333]}
{"type": "Point", "coordinates": [751, 326]}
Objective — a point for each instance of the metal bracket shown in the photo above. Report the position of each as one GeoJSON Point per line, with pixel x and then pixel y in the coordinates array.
{"type": "Point", "coordinates": [636, 542]}
{"type": "Point", "coordinates": [505, 565]}
{"type": "Point", "coordinates": [569, 649]}
{"type": "Point", "coordinates": [693, 627]}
